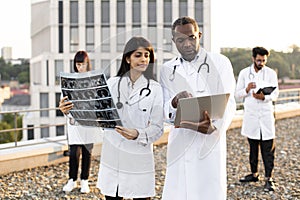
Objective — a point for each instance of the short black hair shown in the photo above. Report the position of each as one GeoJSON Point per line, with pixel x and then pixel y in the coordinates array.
{"type": "Point", "coordinates": [185, 20]}
{"type": "Point", "coordinates": [260, 51]}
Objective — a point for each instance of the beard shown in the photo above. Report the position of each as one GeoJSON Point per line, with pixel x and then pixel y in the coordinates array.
{"type": "Point", "coordinates": [258, 67]}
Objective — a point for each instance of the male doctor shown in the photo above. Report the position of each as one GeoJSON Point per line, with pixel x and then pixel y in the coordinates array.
{"type": "Point", "coordinates": [196, 157]}
{"type": "Point", "coordinates": [259, 123]}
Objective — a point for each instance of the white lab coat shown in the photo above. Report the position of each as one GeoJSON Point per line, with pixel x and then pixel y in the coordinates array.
{"type": "Point", "coordinates": [258, 114]}
{"type": "Point", "coordinates": [196, 163]}
{"type": "Point", "coordinates": [129, 164]}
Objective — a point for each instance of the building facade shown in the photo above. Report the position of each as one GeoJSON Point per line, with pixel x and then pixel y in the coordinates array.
{"type": "Point", "coordinates": [59, 28]}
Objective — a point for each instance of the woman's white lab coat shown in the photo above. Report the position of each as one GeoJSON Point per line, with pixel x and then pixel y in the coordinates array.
{"type": "Point", "coordinates": [258, 115]}
{"type": "Point", "coordinates": [129, 164]}
{"type": "Point", "coordinates": [196, 163]}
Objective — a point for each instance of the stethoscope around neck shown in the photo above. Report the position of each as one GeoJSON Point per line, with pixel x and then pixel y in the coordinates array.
{"type": "Point", "coordinates": [119, 104]}
{"type": "Point", "coordinates": [251, 76]}
{"type": "Point", "coordinates": [204, 64]}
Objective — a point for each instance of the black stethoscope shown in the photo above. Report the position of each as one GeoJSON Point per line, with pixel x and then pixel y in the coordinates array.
{"type": "Point", "coordinates": [204, 64]}
{"type": "Point", "coordinates": [119, 104]}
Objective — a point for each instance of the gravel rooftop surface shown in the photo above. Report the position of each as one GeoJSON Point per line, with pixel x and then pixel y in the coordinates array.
{"type": "Point", "coordinates": [47, 182]}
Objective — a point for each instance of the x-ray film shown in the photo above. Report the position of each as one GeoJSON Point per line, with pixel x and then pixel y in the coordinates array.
{"type": "Point", "coordinates": [93, 104]}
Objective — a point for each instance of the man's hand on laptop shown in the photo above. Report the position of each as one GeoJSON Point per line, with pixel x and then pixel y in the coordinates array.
{"type": "Point", "coordinates": [204, 126]}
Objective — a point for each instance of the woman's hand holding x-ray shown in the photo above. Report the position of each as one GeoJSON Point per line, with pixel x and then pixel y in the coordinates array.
{"type": "Point", "coordinates": [130, 134]}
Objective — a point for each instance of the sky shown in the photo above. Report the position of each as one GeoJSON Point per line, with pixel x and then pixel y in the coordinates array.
{"type": "Point", "coordinates": [273, 24]}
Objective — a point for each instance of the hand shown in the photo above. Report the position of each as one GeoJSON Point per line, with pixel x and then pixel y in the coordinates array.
{"type": "Point", "coordinates": [65, 106]}
{"type": "Point", "coordinates": [130, 134]}
{"type": "Point", "coordinates": [259, 96]}
{"type": "Point", "coordinates": [204, 126]}
{"type": "Point", "coordinates": [180, 95]}
{"type": "Point", "coordinates": [250, 86]}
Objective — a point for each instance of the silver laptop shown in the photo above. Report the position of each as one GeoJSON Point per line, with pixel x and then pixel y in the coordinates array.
{"type": "Point", "coordinates": [191, 109]}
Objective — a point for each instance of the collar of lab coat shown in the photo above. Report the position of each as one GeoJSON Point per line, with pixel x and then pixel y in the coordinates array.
{"type": "Point", "coordinates": [192, 66]}
{"type": "Point", "coordinates": [140, 83]}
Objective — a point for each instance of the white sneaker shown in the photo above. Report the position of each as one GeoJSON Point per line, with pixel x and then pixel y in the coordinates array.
{"type": "Point", "coordinates": [84, 186]}
{"type": "Point", "coordinates": [70, 186]}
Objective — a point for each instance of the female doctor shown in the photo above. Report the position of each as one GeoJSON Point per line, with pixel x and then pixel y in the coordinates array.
{"type": "Point", "coordinates": [127, 163]}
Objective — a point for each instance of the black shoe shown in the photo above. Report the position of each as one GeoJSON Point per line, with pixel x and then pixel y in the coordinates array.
{"type": "Point", "coordinates": [269, 186]}
{"type": "Point", "coordinates": [250, 178]}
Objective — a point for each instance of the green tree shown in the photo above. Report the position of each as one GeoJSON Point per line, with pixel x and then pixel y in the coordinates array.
{"type": "Point", "coordinates": [8, 122]}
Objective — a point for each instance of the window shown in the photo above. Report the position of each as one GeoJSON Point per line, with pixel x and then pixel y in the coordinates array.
{"type": "Point", "coordinates": [199, 11]}
{"type": "Point", "coordinates": [121, 38]}
{"type": "Point", "coordinates": [60, 27]}
{"type": "Point", "coordinates": [44, 131]}
{"type": "Point", "coordinates": [105, 67]}
{"type": "Point", "coordinates": [74, 35]}
{"type": "Point", "coordinates": [74, 39]}
{"type": "Point", "coordinates": [30, 132]}
{"type": "Point", "coordinates": [105, 38]}
{"type": "Point", "coordinates": [74, 12]}
{"type": "Point", "coordinates": [72, 66]}
{"type": "Point", "coordinates": [44, 103]}
{"type": "Point", "coordinates": [59, 67]}
{"type": "Point", "coordinates": [105, 12]}
{"type": "Point", "coordinates": [183, 8]}
{"type": "Point", "coordinates": [121, 12]}
{"type": "Point", "coordinates": [168, 12]}
{"type": "Point", "coordinates": [60, 130]}
{"type": "Point", "coordinates": [89, 12]}
{"type": "Point", "coordinates": [136, 13]}
{"type": "Point", "coordinates": [152, 12]}
{"type": "Point", "coordinates": [167, 41]}
{"type": "Point", "coordinates": [90, 38]}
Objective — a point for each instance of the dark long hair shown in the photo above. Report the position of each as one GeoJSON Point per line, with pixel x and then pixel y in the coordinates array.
{"type": "Point", "coordinates": [131, 46]}
{"type": "Point", "coordinates": [80, 56]}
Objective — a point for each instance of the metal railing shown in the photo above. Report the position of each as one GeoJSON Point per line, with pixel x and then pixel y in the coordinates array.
{"type": "Point", "coordinates": [286, 95]}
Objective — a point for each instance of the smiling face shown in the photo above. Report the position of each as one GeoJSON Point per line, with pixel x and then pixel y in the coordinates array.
{"type": "Point", "coordinates": [187, 41]}
{"type": "Point", "coordinates": [139, 60]}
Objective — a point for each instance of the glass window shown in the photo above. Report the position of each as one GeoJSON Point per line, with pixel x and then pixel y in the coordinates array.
{"type": "Point", "coordinates": [44, 131]}
{"type": "Point", "coordinates": [59, 67]}
{"type": "Point", "coordinates": [105, 11]}
{"type": "Point", "coordinates": [152, 13]}
{"type": "Point", "coordinates": [199, 11]}
{"type": "Point", "coordinates": [57, 99]}
{"type": "Point", "coordinates": [120, 38]}
{"type": "Point", "coordinates": [89, 12]}
{"type": "Point", "coordinates": [60, 28]}
{"type": "Point", "coordinates": [167, 11]}
{"type": "Point", "coordinates": [44, 103]}
{"type": "Point", "coordinates": [71, 66]}
{"type": "Point", "coordinates": [60, 130]}
{"type": "Point", "coordinates": [90, 38]}
{"type": "Point", "coordinates": [74, 38]}
{"type": "Point", "coordinates": [136, 13]}
{"type": "Point", "coordinates": [167, 41]}
{"type": "Point", "coordinates": [105, 67]}
{"type": "Point", "coordinates": [183, 8]}
{"type": "Point", "coordinates": [105, 38]}
{"type": "Point", "coordinates": [120, 12]}
{"type": "Point", "coordinates": [30, 132]}
{"type": "Point", "coordinates": [152, 36]}
{"type": "Point", "coordinates": [74, 12]}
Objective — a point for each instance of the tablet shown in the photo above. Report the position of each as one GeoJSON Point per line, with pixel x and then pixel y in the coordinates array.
{"type": "Point", "coordinates": [191, 109]}
{"type": "Point", "coordinates": [266, 90]}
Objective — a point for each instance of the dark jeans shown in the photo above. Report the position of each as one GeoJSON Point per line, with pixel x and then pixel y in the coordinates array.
{"type": "Point", "coordinates": [86, 151]}
{"type": "Point", "coordinates": [267, 149]}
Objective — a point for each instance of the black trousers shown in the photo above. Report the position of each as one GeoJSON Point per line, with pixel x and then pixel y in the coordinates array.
{"type": "Point", "coordinates": [121, 198]}
{"type": "Point", "coordinates": [86, 151]}
{"type": "Point", "coordinates": [267, 148]}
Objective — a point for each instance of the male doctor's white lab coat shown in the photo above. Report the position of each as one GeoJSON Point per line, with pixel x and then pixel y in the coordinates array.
{"type": "Point", "coordinates": [196, 163]}
{"type": "Point", "coordinates": [258, 119]}
{"type": "Point", "coordinates": [129, 164]}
